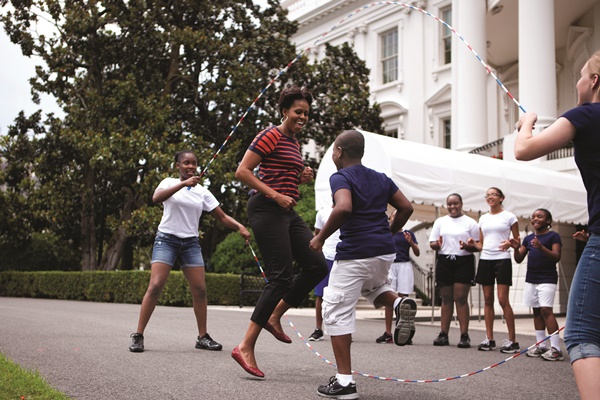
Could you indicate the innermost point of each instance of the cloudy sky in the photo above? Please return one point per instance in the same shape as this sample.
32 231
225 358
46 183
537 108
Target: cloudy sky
15 94
15 72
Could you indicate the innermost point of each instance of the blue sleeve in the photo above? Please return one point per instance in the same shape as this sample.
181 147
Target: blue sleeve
338 181
392 188
556 239
579 116
414 238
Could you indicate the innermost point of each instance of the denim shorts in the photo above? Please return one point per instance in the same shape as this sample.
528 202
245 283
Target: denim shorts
170 249
582 328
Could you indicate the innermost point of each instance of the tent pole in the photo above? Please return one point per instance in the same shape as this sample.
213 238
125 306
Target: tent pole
435 253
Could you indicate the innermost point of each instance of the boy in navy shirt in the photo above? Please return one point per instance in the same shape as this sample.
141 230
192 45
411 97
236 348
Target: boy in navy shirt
363 257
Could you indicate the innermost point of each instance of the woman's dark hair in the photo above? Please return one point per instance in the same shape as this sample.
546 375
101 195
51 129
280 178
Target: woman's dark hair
182 152
499 191
548 216
292 93
455 194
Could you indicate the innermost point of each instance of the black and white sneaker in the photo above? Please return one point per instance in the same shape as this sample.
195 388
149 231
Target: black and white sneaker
316 336
509 347
487 345
137 343
207 343
334 390
405 321
385 338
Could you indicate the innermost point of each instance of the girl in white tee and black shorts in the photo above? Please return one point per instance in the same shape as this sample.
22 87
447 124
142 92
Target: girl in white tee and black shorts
495 266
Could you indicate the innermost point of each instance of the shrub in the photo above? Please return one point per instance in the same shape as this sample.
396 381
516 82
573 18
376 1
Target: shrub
43 252
115 287
233 256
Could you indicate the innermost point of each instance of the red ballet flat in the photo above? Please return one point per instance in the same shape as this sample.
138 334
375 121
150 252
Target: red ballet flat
282 337
237 356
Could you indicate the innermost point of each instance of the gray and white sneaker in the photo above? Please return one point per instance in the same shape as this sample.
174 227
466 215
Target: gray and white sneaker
536 351
137 343
207 343
553 354
334 390
405 321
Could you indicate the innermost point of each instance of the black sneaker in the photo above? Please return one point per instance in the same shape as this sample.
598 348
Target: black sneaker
316 336
509 347
487 345
334 390
137 343
441 340
207 343
405 321
465 341
385 338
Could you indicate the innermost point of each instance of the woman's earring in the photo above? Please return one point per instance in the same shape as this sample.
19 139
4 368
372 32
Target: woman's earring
283 119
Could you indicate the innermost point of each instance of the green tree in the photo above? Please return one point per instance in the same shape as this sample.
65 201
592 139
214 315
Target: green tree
138 80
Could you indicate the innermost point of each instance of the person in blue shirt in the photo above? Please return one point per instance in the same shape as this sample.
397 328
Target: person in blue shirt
543 248
579 125
363 256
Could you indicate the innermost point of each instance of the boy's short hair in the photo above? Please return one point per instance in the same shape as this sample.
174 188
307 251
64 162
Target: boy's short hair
352 142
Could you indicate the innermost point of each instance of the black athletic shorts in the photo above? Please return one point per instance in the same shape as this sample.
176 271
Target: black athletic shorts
494 271
451 269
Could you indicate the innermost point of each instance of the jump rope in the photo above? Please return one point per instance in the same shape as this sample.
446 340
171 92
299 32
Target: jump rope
281 72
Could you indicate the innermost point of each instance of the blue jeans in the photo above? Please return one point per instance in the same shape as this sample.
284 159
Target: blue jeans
582 328
169 248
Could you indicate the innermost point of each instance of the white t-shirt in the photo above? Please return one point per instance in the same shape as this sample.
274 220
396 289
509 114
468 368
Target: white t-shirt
182 211
452 230
332 241
495 229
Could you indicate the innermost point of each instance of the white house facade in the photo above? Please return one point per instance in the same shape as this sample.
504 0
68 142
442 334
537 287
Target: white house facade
433 90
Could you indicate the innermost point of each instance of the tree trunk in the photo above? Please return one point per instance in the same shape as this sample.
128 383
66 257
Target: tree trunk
88 221
117 242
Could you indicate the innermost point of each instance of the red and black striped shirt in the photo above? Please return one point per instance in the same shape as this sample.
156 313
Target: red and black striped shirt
281 162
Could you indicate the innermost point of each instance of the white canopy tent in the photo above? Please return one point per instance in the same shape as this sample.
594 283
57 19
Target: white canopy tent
427 175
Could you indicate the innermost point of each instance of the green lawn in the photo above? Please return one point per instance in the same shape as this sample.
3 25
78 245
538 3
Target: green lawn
20 384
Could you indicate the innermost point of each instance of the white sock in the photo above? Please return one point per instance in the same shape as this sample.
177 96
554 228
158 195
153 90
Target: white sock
344 380
540 335
397 301
555 341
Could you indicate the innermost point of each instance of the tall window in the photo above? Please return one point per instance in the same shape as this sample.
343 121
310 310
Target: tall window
389 56
447 133
446 36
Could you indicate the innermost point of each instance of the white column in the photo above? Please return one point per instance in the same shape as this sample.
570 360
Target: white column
537 60
469 99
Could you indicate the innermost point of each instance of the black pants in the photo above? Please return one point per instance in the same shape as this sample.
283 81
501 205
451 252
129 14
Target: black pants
283 236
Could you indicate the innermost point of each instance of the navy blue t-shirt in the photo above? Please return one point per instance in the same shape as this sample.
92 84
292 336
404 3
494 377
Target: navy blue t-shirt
540 268
586 119
402 246
367 232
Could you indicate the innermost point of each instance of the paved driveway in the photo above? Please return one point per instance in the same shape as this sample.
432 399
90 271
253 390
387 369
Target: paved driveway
81 349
